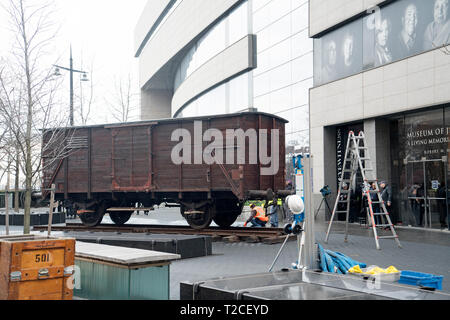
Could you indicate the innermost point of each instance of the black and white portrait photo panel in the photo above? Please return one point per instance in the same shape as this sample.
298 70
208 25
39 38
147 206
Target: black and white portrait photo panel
405 28
410 35
437 32
351 49
341 52
393 32
420 26
378 36
329 59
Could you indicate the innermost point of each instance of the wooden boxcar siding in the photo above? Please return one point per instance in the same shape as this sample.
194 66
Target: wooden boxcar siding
130 157
166 173
101 160
138 158
78 168
252 173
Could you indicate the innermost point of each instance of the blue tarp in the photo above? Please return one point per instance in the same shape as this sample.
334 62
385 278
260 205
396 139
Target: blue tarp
336 262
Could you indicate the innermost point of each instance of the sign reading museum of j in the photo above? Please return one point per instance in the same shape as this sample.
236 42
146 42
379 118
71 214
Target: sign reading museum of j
431 143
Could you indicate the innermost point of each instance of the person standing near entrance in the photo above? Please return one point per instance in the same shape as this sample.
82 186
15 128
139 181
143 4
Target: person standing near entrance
386 196
355 201
442 206
375 206
415 204
274 209
421 196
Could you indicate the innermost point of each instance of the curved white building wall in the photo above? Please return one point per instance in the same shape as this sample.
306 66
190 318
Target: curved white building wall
284 74
153 11
222 56
236 59
185 23
229 97
175 32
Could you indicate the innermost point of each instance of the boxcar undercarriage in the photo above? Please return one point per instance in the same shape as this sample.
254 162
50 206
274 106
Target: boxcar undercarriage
199 211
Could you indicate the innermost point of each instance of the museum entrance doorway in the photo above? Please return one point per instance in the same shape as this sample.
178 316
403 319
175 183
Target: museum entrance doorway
427 196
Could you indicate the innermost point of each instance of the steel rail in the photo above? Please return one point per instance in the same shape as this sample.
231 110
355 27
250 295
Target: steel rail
167 229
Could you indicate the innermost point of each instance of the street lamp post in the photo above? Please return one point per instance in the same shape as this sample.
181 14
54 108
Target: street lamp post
71 70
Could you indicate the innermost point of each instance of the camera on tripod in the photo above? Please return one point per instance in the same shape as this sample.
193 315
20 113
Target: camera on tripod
325 191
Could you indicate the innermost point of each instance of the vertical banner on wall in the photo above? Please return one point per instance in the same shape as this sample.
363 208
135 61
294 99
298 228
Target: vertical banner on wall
340 154
341 146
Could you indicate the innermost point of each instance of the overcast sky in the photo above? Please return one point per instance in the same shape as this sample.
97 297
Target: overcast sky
100 31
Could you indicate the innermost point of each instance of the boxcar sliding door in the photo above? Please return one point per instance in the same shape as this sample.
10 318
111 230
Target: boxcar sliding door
131 158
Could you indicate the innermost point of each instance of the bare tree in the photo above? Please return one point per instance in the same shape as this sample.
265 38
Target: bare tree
124 100
17 178
10 99
86 97
31 106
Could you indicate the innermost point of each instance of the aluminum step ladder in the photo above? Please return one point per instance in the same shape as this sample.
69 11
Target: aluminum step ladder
357 157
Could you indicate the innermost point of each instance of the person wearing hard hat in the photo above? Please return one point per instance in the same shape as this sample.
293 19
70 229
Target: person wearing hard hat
274 209
258 217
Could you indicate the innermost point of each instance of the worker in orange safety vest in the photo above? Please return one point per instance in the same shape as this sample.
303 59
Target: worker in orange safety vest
258 217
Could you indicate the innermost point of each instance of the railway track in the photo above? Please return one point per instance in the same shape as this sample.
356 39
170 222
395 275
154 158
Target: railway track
233 234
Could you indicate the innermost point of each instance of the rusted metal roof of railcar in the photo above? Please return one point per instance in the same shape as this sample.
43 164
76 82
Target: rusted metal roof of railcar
168 120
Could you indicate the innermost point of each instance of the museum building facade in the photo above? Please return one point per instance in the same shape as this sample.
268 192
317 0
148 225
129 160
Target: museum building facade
383 67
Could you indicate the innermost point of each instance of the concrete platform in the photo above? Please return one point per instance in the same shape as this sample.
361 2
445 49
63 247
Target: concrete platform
121 256
37 218
187 246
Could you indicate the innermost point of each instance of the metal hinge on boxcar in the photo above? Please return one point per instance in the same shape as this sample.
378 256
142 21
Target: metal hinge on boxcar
16 276
43 273
68 271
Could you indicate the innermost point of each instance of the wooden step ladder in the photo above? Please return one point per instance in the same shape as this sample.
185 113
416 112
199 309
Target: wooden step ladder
357 157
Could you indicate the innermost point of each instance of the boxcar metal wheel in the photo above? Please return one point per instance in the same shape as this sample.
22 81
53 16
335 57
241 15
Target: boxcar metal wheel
93 219
227 213
120 217
225 220
198 221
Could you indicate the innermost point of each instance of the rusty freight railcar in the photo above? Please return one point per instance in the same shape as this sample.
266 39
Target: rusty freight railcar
208 165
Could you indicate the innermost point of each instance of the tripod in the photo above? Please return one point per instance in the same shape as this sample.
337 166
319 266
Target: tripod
324 199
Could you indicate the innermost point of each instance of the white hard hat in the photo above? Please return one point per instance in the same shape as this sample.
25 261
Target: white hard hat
295 204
